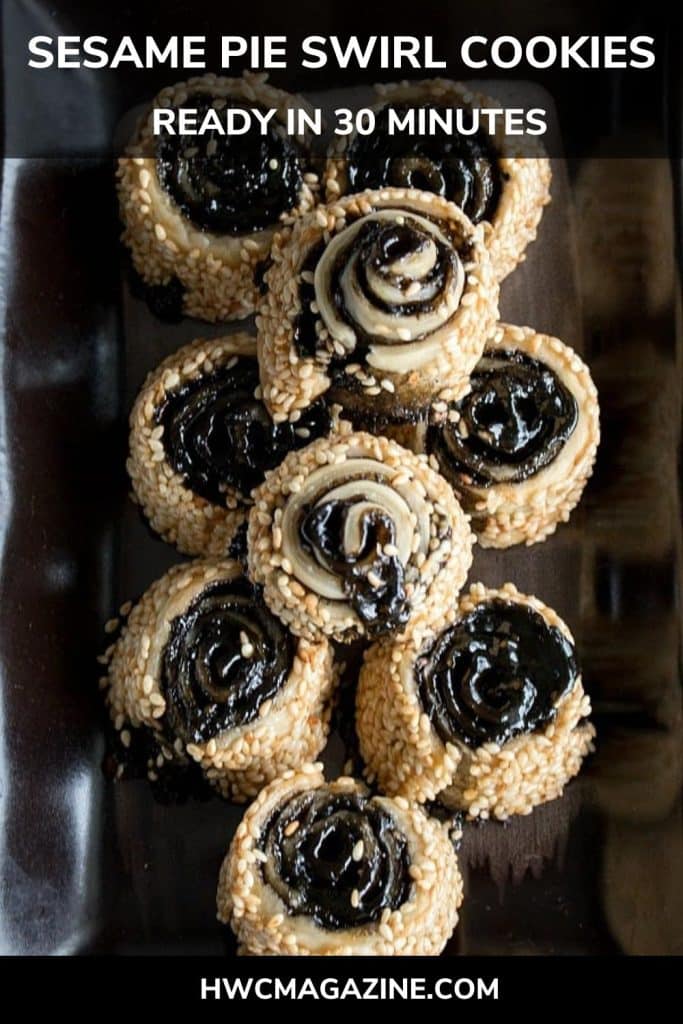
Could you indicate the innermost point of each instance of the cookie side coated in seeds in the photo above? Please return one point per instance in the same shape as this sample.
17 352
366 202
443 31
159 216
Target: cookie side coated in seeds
487 713
217 678
383 299
199 212
325 869
494 178
520 446
353 536
201 439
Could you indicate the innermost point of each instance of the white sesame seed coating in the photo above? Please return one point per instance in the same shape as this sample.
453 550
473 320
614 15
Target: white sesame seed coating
290 729
216 271
402 749
527 512
265 926
526 179
181 517
292 381
435 561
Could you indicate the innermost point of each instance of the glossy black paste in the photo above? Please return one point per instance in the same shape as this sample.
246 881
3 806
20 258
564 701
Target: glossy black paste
231 185
495 674
517 417
381 605
462 168
208 684
218 435
313 869
377 245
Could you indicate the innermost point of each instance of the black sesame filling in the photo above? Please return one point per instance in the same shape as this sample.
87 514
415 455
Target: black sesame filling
377 246
225 655
217 435
497 673
462 168
514 421
231 185
373 582
338 858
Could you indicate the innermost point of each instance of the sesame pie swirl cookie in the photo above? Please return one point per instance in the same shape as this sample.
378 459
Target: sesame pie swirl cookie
354 535
201 439
487 714
217 678
325 869
199 212
382 298
504 181
520 446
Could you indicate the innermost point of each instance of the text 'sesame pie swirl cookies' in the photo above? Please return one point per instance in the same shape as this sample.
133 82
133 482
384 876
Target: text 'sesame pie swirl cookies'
487 176
200 210
384 299
326 869
201 439
218 678
520 446
354 535
486 713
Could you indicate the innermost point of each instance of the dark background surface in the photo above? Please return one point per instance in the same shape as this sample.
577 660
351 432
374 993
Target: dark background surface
87 866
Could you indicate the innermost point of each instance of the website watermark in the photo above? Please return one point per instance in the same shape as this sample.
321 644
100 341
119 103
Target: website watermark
445 989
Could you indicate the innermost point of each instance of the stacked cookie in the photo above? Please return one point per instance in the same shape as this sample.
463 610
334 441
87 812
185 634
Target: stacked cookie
330 473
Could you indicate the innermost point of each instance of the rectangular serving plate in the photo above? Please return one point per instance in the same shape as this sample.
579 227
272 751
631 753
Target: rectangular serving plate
88 866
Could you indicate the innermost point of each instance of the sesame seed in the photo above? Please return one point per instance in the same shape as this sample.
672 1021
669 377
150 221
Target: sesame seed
357 852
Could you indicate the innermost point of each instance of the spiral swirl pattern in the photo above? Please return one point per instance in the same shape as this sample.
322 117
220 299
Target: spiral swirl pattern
231 185
217 435
352 535
495 674
225 655
514 421
462 168
386 288
338 858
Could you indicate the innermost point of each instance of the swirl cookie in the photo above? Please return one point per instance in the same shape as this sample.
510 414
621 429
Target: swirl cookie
486 713
354 535
217 678
201 439
199 212
383 299
326 869
520 446
485 175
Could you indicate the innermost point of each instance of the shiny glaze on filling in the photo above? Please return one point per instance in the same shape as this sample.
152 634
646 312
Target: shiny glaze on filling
516 418
461 168
231 185
338 858
496 673
225 655
218 435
